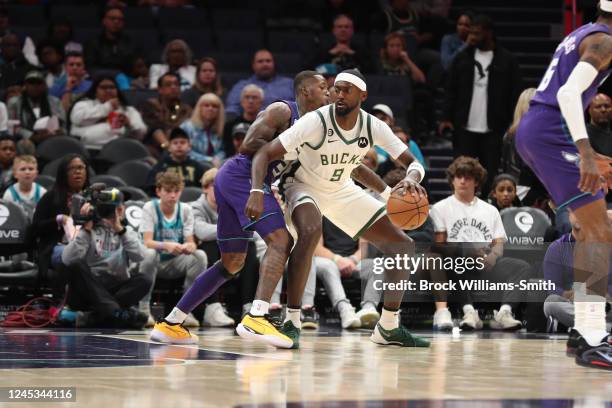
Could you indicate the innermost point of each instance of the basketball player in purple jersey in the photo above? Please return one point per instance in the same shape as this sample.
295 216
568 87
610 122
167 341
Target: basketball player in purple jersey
552 139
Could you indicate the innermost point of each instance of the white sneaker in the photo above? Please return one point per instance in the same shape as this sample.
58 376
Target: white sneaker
504 320
348 318
215 316
191 321
442 320
369 316
471 320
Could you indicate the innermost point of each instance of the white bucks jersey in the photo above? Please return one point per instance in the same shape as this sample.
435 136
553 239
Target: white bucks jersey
327 154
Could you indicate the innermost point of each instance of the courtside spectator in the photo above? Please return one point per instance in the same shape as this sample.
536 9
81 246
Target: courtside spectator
329 72
178 161
503 192
251 100
178 59
344 52
275 87
484 82
32 105
464 218
135 75
25 192
73 83
164 113
167 227
52 225
112 47
453 43
103 115
207 80
205 130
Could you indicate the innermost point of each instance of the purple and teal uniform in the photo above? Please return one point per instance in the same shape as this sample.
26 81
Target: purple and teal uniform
232 190
543 139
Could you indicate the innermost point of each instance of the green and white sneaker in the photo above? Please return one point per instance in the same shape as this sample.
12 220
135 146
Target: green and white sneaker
399 337
289 330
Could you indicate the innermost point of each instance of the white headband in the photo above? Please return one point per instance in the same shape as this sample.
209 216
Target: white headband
606 5
354 79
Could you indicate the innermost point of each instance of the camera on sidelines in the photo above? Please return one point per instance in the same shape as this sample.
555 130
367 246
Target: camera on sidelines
103 202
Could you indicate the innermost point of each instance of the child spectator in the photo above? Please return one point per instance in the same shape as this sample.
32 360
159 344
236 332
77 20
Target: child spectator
178 161
503 192
167 228
25 192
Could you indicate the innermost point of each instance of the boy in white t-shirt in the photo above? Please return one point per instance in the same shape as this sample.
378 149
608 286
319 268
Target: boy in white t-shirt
465 218
25 192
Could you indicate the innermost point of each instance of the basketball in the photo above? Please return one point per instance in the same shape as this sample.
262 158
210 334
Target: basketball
407 212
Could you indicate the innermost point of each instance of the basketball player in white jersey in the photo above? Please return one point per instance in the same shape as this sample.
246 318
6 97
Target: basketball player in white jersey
330 143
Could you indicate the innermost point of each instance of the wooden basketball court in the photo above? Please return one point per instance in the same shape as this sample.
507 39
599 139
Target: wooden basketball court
332 368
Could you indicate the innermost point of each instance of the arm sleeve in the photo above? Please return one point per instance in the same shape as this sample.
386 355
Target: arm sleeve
570 98
383 136
306 130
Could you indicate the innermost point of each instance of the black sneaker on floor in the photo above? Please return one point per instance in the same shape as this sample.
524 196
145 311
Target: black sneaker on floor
573 341
599 356
310 318
130 319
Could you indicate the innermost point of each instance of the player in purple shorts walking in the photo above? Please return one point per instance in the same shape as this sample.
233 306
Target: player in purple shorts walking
552 139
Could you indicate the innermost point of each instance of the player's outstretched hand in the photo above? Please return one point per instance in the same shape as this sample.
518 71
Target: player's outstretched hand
409 186
254 206
590 179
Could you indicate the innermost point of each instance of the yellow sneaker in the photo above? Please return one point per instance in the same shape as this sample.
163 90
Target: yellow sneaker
259 328
165 332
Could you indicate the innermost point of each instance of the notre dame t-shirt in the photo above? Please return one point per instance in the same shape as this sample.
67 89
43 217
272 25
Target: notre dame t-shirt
477 221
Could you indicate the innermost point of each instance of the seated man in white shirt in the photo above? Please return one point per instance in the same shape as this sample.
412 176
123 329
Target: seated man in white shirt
465 218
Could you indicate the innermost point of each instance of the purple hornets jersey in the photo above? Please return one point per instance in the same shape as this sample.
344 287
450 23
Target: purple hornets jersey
566 57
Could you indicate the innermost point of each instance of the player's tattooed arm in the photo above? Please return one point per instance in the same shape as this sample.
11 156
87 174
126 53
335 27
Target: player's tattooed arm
363 175
596 49
271 121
